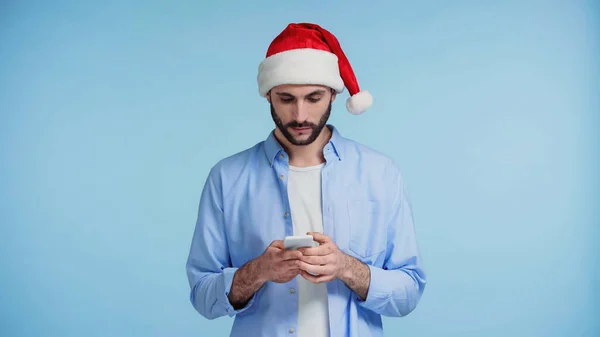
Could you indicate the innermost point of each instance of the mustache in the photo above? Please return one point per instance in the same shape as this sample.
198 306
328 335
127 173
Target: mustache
295 124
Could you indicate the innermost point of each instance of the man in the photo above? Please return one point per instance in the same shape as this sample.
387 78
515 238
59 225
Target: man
305 178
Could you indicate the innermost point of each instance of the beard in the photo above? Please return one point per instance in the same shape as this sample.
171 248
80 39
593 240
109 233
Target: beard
316 128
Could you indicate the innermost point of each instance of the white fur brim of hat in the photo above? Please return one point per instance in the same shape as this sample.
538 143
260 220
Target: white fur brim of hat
300 66
308 66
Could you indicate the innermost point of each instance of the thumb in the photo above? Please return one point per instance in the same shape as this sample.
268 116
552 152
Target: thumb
319 237
277 244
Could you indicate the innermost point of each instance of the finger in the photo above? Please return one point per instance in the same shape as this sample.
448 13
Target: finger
287 266
290 254
316 279
291 265
316 260
320 237
314 269
323 249
277 244
312 251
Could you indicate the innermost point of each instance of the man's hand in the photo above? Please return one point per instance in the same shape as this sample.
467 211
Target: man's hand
328 263
275 264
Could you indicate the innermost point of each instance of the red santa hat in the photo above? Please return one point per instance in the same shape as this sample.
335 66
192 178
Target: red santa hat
305 53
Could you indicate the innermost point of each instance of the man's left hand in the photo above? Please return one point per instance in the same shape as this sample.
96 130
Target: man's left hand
326 261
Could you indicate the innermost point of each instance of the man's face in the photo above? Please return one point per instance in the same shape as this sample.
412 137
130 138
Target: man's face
300 111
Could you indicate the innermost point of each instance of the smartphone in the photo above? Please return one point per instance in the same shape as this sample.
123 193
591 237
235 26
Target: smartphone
298 241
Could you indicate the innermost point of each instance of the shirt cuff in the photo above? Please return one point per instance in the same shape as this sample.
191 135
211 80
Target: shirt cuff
378 295
225 284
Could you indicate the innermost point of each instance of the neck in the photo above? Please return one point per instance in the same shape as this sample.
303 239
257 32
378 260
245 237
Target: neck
306 155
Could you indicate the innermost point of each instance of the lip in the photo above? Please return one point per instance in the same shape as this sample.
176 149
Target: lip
301 129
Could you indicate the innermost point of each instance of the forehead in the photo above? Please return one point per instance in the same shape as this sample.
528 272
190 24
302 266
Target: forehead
298 89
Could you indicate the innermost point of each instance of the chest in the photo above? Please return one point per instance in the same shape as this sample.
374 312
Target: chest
271 206
305 202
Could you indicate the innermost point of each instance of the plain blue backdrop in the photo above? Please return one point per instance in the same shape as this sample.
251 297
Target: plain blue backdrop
113 112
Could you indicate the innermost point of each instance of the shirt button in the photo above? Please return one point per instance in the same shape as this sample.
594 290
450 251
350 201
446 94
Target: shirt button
281 155
281 177
287 214
292 290
291 330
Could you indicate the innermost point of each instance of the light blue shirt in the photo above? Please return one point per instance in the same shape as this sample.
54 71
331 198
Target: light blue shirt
244 207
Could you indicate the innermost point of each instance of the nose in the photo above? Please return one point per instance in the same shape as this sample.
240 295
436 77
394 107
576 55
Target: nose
300 113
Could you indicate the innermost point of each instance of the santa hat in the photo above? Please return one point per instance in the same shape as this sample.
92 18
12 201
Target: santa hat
305 53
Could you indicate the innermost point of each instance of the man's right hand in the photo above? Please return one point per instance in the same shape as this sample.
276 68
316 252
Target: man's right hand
277 264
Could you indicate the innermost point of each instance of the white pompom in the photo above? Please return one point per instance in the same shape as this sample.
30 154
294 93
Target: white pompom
359 102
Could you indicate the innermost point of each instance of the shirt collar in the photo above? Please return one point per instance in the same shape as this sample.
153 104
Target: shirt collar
333 148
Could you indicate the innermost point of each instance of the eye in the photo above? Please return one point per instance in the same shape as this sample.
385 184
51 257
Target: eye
314 99
287 99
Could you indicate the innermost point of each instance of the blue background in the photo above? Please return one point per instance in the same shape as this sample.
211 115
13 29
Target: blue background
112 114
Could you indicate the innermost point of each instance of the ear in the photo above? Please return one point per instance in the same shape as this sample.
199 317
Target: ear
333 95
268 96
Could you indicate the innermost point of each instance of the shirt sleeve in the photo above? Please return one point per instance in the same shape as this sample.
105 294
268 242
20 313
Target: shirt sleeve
209 269
396 287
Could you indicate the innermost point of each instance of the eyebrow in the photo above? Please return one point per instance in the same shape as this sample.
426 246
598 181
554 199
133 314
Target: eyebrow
316 92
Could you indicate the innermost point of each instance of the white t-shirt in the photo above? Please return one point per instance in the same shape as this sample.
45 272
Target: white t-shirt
304 193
